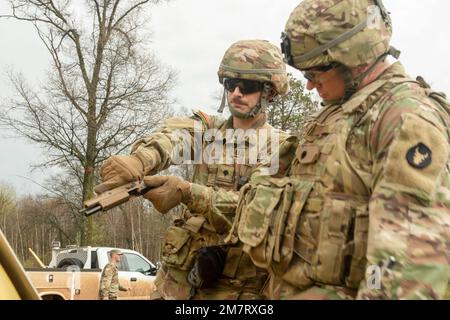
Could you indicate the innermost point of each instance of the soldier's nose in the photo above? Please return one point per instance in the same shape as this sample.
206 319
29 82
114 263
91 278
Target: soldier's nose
310 85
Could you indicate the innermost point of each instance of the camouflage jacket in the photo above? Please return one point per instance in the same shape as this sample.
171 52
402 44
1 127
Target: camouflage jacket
215 191
364 212
109 283
217 182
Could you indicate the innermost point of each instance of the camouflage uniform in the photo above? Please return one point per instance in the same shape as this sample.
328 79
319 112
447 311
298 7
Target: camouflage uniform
216 184
364 211
109 283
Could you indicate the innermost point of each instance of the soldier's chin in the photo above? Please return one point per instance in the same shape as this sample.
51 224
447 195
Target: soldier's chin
326 99
240 107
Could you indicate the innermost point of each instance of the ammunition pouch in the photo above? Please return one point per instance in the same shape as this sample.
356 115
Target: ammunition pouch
176 248
340 256
319 240
182 242
266 219
178 253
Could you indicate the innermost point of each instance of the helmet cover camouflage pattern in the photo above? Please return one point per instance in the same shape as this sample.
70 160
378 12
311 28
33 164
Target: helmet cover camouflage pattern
255 60
314 23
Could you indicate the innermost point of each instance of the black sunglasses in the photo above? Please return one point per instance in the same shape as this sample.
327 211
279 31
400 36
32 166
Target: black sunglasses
245 86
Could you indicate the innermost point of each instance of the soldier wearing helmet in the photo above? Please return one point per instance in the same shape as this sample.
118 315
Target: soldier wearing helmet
194 263
370 218
109 279
258 63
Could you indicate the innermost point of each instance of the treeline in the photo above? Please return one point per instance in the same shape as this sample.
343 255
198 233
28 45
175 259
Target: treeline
36 221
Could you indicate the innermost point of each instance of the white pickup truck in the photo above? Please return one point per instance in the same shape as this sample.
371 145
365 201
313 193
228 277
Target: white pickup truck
74 274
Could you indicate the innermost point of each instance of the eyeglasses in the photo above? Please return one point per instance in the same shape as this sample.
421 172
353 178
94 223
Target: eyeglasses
245 86
311 74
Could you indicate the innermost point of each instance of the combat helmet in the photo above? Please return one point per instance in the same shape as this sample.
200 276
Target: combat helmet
339 33
257 60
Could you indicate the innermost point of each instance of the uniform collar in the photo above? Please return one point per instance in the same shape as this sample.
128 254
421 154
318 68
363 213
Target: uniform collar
228 124
394 73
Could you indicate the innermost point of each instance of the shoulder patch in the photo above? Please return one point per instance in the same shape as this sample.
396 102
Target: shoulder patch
426 149
419 156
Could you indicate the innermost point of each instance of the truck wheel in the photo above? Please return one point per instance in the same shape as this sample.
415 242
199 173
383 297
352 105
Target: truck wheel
69 262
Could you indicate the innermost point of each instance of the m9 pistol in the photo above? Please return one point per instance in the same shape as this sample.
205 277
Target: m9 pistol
114 197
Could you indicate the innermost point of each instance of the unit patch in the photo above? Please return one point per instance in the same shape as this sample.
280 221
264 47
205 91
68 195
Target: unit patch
419 156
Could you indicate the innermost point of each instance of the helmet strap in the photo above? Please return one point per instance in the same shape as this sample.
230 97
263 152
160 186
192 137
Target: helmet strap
349 82
222 103
352 84
264 100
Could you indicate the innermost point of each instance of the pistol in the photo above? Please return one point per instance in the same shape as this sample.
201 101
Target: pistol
114 197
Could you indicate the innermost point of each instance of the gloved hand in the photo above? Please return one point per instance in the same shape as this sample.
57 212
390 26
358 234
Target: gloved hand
119 170
167 192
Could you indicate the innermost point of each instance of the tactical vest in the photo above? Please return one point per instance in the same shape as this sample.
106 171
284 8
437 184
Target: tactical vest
311 227
193 231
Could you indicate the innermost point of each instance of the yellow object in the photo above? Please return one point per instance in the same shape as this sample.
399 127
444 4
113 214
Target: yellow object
14 283
7 291
35 256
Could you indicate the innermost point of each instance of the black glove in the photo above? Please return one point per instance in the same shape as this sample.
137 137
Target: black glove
208 266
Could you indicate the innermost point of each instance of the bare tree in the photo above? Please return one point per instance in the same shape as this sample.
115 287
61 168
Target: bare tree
104 90
7 203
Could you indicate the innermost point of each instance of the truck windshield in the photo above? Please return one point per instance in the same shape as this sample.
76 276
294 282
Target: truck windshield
135 263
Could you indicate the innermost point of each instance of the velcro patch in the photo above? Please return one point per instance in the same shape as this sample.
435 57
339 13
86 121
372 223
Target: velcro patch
417 157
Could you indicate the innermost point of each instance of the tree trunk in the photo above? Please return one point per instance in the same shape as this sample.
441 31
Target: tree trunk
88 181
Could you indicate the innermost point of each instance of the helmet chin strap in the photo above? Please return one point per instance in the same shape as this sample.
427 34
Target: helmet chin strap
223 102
260 107
352 84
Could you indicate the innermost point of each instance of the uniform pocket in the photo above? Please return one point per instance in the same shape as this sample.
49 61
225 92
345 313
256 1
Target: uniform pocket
358 247
225 176
256 216
339 240
295 196
175 248
269 218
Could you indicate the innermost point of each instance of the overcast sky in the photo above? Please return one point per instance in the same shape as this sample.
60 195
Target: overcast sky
191 36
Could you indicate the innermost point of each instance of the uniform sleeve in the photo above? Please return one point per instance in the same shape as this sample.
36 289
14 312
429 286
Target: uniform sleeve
408 212
216 204
105 281
173 143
